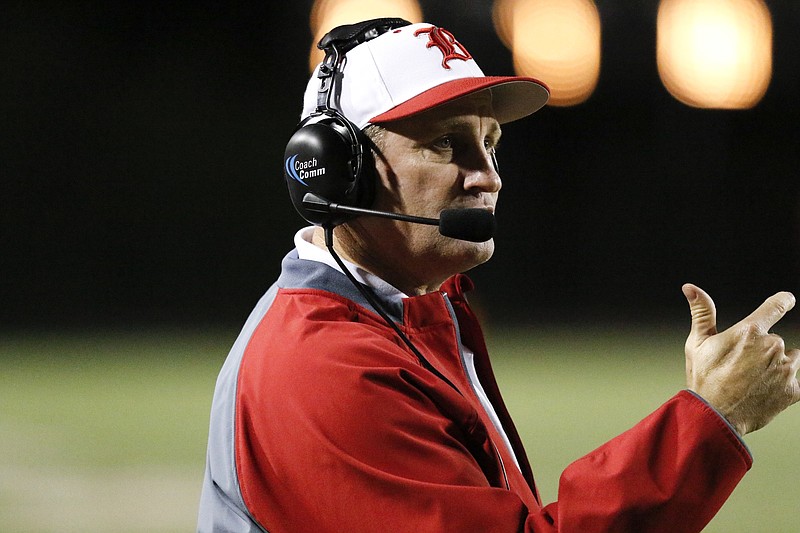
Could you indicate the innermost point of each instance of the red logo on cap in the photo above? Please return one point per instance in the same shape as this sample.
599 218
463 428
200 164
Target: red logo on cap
446 43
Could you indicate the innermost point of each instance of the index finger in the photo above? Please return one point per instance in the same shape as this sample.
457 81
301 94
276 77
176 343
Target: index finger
772 310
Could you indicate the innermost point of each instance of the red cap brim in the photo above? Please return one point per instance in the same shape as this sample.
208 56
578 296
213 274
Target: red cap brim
513 97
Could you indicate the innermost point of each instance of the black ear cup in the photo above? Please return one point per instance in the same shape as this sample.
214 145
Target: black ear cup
329 157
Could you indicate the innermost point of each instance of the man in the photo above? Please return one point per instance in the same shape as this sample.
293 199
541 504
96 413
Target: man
372 406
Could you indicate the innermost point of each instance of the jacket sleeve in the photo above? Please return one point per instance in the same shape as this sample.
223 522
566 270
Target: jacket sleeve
670 473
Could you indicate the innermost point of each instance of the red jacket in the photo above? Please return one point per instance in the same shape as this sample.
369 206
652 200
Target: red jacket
324 421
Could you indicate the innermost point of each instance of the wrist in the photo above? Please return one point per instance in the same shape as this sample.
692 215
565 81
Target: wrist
736 426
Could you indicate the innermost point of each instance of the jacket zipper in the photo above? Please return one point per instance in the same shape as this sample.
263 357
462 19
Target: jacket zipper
502 464
471 384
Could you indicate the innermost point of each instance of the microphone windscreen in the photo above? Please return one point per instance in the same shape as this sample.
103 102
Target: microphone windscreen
476 225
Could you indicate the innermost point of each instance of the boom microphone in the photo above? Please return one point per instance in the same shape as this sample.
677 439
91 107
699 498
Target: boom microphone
476 225
470 224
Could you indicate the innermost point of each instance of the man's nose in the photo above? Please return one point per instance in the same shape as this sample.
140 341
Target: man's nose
484 177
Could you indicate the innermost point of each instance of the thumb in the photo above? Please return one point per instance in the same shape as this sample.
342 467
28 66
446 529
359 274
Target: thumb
704 314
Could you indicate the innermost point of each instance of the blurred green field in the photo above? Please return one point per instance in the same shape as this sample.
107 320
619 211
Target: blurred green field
106 432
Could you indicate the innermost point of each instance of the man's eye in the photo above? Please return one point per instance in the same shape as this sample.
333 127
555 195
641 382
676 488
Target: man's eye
444 142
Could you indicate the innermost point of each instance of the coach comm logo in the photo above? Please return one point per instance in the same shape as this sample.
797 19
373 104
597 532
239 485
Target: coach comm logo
300 170
446 43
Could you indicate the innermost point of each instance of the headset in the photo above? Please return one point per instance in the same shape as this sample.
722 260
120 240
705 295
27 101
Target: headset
328 155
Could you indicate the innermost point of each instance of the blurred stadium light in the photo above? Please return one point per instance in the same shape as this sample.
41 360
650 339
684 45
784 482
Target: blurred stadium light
556 41
715 53
327 14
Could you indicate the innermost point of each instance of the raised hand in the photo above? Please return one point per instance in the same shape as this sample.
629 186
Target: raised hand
745 371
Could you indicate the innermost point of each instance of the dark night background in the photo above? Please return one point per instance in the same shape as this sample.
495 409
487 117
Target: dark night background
141 149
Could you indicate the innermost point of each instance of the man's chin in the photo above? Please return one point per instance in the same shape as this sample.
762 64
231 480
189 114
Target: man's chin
486 251
472 254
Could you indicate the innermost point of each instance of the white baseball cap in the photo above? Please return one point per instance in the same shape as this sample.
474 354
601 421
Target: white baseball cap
414 68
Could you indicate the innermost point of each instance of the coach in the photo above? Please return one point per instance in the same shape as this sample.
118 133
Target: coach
359 396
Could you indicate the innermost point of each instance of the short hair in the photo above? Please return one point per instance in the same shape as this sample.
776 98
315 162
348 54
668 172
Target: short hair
376 134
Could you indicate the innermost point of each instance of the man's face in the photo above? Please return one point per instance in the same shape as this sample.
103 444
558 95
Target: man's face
439 159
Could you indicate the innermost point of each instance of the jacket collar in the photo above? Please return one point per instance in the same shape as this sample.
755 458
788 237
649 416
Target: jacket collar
298 273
